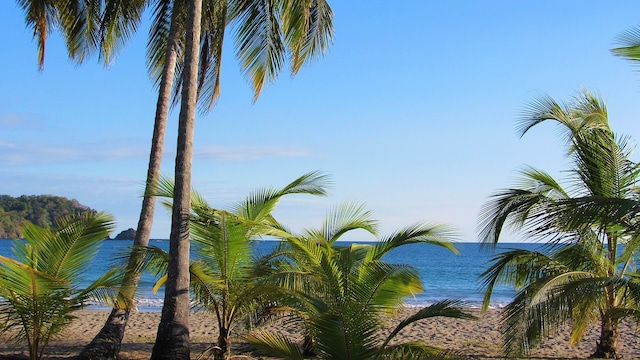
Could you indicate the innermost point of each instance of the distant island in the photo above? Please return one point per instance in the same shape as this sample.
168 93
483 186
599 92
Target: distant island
129 234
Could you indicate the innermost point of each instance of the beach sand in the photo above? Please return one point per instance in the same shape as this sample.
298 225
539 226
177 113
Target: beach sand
478 339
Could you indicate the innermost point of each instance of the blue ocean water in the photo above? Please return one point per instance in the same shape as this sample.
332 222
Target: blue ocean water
444 275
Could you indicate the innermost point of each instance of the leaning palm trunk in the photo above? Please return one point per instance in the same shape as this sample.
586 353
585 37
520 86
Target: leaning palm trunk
172 340
106 344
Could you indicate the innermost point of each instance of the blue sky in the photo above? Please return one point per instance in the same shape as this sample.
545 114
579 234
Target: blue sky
411 111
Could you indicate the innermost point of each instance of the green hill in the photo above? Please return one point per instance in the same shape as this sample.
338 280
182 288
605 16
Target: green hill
42 210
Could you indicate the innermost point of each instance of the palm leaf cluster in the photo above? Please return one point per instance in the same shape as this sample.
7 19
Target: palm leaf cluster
225 279
588 272
342 293
40 286
338 294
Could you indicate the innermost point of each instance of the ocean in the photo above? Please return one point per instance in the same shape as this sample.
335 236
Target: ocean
444 275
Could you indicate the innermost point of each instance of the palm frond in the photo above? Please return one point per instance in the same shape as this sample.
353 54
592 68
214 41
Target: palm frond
417 351
629 42
446 308
160 38
120 20
274 345
344 218
434 234
259 45
308 30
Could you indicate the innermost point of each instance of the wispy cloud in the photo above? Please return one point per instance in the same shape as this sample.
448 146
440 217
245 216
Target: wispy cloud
248 153
19 154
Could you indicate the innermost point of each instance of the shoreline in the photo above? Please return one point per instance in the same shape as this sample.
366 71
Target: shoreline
479 339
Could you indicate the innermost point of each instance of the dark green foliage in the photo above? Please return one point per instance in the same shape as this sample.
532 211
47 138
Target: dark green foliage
41 210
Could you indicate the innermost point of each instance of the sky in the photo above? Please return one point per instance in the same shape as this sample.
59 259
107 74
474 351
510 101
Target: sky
412 112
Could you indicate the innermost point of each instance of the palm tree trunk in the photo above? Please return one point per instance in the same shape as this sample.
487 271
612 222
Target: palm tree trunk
607 346
172 340
106 344
223 350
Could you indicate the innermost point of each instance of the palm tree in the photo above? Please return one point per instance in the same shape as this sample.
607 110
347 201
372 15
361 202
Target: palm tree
589 273
261 53
40 289
341 292
308 31
223 278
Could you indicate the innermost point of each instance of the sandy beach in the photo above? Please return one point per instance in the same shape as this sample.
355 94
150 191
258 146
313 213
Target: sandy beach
477 339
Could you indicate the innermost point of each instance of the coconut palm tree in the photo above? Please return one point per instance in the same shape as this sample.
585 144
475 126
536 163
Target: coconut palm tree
223 278
341 292
308 30
588 274
261 50
41 288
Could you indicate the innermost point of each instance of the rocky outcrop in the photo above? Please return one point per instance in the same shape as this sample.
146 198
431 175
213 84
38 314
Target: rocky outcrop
128 234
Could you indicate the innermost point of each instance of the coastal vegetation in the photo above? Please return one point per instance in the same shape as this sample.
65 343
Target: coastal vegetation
588 275
40 210
341 293
41 287
225 278
585 276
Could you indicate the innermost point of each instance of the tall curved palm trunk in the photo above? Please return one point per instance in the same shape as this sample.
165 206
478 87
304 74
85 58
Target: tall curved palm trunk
172 340
106 344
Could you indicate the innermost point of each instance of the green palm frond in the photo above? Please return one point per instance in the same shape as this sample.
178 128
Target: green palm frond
344 218
521 207
348 334
585 113
308 30
259 45
159 38
434 234
66 252
385 286
275 345
416 351
629 42
214 22
105 290
517 268
446 308
80 22
120 19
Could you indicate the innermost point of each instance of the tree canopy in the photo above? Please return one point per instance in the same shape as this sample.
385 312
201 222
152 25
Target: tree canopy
41 210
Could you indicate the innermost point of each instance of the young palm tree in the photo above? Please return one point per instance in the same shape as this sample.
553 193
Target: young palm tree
591 276
223 278
341 292
40 289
